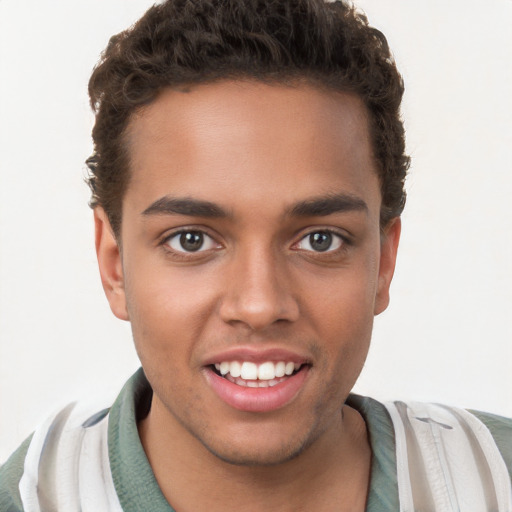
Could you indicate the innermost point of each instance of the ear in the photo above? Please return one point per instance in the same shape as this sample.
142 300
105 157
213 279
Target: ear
110 264
388 250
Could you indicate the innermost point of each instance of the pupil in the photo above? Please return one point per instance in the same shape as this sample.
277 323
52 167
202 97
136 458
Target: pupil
320 241
191 241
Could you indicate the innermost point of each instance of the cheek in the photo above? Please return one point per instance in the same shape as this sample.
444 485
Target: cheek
341 310
349 339
168 312
343 301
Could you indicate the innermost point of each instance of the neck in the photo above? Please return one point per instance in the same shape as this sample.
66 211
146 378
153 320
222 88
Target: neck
331 474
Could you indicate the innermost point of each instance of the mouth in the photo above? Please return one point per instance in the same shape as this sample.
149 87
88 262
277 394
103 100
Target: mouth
253 375
252 386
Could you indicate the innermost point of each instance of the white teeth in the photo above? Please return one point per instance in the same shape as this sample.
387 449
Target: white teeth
235 369
280 369
254 383
249 371
265 373
289 369
224 367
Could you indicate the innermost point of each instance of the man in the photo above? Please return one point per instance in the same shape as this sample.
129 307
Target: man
247 183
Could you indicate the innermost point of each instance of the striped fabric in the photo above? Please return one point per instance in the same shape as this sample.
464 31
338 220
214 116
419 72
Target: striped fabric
67 465
447 461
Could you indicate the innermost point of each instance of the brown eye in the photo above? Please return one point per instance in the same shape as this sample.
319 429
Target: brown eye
191 241
321 241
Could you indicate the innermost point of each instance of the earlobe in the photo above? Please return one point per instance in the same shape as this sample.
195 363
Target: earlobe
110 264
389 247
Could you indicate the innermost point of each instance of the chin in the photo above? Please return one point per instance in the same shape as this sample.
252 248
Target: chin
257 458
254 453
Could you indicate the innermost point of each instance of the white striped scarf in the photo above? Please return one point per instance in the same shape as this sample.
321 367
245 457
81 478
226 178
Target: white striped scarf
67 467
447 461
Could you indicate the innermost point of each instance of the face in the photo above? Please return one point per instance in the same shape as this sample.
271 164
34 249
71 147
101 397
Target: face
252 262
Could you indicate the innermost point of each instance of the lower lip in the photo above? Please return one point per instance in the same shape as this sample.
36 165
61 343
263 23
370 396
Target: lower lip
256 399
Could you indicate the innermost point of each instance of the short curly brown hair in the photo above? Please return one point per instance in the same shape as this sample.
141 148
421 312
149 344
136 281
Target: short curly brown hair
184 42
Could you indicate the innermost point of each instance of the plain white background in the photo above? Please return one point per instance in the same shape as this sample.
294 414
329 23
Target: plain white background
447 335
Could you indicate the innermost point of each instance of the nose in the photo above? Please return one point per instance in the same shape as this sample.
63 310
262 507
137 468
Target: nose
258 291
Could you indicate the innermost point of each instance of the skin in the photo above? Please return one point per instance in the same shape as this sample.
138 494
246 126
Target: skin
259 153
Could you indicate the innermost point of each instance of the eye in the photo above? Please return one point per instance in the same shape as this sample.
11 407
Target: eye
320 241
191 241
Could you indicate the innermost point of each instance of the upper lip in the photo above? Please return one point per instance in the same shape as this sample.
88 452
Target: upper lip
256 355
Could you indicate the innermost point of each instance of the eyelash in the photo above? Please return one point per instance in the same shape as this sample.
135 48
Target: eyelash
343 240
167 242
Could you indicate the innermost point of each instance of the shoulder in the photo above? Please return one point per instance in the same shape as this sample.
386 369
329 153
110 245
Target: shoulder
10 476
470 449
468 423
501 430
73 447
45 467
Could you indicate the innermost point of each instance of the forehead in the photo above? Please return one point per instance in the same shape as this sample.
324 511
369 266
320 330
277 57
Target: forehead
248 139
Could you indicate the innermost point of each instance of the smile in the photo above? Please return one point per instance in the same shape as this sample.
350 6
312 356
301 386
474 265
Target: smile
252 386
249 374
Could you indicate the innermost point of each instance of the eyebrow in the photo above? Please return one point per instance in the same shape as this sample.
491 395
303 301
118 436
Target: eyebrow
185 206
327 205
313 207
